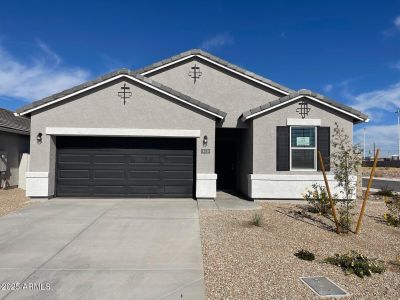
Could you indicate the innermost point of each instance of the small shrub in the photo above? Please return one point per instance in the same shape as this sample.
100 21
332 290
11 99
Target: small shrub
356 263
257 219
385 191
318 198
305 255
345 215
393 216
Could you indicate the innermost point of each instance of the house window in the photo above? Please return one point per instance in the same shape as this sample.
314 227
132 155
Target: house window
303 154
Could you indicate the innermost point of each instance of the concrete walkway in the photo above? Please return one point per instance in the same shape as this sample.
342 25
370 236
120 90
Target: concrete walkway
228 201
102 249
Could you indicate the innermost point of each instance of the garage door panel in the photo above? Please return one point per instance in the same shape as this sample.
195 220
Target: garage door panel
145 190
78 174
125 167
108 174
178 174
74 158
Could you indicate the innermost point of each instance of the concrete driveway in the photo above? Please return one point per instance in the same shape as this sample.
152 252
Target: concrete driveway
102 249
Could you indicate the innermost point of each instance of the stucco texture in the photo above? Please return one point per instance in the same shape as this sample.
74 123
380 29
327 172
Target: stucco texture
225 90
102 108
14 144
264 132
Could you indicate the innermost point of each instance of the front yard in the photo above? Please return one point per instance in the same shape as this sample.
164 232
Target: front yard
243 261
12 200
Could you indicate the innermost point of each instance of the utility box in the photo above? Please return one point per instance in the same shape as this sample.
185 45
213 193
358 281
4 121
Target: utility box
3 161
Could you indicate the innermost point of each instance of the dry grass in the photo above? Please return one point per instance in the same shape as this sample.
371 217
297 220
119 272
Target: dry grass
12 200
242 261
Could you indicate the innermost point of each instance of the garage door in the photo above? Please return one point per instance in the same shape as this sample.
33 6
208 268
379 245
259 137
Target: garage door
125 167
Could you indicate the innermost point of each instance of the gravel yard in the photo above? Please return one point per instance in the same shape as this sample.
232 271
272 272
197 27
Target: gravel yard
12 200
382 172
242 261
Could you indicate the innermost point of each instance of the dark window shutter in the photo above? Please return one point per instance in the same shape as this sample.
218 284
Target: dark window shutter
324 146
282 148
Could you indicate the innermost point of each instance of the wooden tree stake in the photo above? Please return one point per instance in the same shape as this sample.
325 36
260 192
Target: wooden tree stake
321 162
364 204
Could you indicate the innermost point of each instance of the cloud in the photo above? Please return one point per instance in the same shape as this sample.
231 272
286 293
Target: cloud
395 65
384 137
327 88
393 30
217 41
42 76
396 22
387 99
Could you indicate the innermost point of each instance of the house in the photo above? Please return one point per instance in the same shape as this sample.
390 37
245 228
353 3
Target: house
182 127
14 146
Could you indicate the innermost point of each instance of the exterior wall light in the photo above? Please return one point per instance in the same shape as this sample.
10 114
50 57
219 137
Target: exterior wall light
205 141
39 138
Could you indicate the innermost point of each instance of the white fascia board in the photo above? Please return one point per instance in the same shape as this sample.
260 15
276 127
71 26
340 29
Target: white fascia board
112 79
74 131
303 122
219 65
309 97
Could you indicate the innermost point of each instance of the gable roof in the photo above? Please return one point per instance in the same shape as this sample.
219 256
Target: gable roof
216 61
355 114
113 76
12 123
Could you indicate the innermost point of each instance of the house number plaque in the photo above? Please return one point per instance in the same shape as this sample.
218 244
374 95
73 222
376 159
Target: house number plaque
205 151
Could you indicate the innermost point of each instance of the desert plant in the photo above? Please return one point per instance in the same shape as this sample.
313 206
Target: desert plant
305 255
385 191
356 263
393 216
346 160
318 198
257 219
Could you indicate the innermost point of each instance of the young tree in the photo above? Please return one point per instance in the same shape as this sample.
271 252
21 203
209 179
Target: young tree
346 160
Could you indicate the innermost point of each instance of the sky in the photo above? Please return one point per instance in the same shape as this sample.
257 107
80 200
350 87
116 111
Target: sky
346 50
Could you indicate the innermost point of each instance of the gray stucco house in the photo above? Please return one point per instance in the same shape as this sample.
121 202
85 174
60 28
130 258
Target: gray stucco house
182 127
14 144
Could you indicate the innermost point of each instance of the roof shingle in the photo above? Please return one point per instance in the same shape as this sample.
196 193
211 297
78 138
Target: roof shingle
9 121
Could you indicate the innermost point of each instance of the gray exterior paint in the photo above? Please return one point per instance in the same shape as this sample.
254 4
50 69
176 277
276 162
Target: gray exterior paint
101 108
264 133
271 104
146 80
201 53
219 91
14 144
231 93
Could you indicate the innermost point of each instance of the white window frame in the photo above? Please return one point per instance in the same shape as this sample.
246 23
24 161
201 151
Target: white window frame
305 148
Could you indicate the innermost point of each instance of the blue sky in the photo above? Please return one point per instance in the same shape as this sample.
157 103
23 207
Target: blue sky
347 50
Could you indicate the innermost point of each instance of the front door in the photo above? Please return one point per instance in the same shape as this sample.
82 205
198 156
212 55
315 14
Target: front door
225 164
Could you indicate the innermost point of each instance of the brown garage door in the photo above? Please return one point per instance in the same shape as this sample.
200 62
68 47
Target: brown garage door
125 167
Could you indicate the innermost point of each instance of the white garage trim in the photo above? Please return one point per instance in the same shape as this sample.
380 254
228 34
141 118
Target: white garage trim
75 131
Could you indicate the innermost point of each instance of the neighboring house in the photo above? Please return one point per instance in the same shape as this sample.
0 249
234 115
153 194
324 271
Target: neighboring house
182 127
14 146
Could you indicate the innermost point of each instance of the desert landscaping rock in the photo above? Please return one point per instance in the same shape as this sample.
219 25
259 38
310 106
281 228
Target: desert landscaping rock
242 261
12 200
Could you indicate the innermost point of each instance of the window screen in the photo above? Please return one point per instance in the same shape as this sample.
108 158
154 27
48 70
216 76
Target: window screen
303 152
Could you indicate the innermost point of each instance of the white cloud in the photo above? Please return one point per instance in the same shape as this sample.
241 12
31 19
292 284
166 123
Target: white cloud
384 137
42 76
395 29
327 88
396 22
395 65
217 41
385 99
